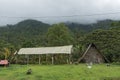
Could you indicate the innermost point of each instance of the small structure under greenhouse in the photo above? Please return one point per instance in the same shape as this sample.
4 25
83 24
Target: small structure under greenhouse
92 55
51 51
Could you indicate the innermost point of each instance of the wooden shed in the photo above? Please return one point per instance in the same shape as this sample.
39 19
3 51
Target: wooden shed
46 51
92 55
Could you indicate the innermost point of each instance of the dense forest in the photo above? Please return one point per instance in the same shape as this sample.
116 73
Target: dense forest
32 33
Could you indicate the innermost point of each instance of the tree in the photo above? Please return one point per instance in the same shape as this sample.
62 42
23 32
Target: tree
108 41
6 53
58 35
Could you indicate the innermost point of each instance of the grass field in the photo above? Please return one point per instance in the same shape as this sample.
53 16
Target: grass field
60 72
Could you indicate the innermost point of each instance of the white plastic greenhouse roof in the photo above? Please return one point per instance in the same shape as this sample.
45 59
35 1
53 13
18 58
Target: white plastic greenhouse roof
47 50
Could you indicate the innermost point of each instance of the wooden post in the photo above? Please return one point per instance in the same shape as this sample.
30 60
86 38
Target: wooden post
16 59
46 58
28 59
69 58
52 59
39 59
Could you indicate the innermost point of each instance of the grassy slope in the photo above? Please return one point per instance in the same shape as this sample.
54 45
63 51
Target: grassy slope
59 72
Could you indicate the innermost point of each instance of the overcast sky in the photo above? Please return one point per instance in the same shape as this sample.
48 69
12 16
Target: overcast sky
13 11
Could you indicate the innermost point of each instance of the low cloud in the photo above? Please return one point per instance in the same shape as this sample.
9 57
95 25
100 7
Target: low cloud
13 11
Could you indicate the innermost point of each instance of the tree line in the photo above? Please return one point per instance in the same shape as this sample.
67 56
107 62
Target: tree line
32 33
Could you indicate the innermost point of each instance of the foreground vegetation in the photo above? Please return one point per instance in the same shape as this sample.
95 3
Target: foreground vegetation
60 72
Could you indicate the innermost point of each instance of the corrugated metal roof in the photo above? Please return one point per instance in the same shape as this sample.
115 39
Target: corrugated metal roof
47 50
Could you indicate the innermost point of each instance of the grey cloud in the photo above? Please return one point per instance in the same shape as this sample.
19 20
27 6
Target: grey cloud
42 8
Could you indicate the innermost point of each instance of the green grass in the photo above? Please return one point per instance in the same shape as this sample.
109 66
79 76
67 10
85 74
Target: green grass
60 72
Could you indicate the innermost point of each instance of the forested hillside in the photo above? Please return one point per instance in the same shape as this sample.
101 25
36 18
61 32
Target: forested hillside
32 33
24 32
104 24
